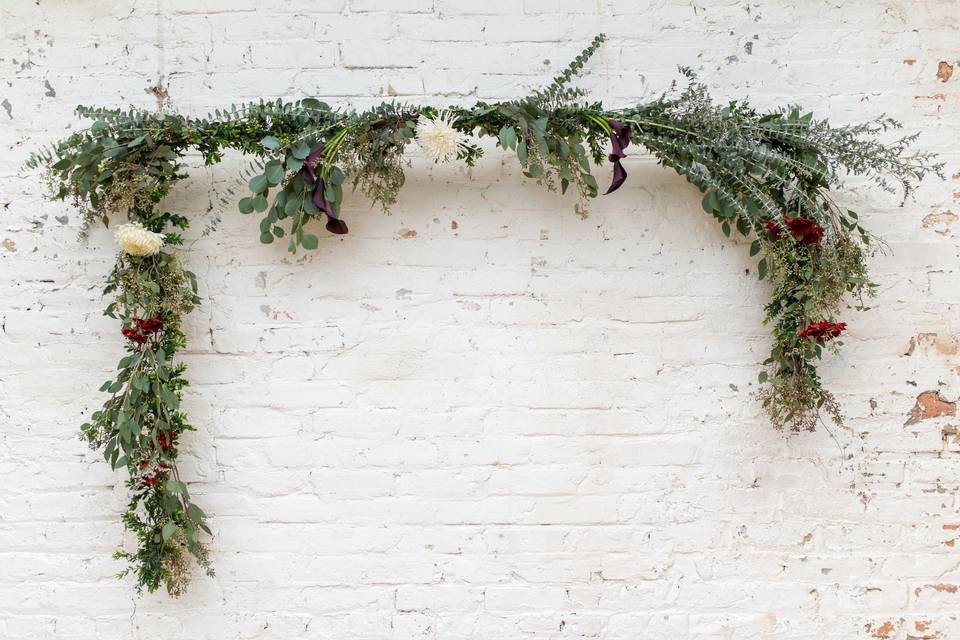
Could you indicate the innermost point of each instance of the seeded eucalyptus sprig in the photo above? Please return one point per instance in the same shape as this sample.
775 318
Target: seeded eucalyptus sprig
767 175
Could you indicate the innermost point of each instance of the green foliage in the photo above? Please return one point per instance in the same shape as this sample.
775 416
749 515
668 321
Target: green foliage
139 426
756 171
559 92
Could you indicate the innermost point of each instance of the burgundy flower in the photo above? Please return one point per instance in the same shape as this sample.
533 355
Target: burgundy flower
805 229
336 225
619 140
157 474
133 335
823 330
166 439
773 228
311 179
149 325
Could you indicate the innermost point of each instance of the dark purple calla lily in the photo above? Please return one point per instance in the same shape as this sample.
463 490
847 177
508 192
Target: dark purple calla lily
336 225
619 140
309 170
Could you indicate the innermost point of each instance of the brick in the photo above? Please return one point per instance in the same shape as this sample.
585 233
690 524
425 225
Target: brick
481 416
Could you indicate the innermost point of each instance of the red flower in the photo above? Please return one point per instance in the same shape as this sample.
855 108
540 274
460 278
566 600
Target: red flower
132 334
157 473
773 228
823 330
805 229
149 325
166 439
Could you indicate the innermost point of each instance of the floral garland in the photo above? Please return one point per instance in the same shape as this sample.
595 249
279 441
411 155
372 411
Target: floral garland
767 175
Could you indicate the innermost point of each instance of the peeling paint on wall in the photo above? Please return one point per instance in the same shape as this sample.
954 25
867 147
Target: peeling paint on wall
944 71
930 405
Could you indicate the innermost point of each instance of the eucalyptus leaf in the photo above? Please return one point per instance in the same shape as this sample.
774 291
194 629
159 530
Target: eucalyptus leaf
245 205
259 184
274 174
508 137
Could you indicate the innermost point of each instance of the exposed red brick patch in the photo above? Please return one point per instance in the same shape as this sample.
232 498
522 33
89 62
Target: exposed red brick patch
454 225
942 587
408 233
930 405
951 527
909 61
944 71
950 543
885 630
923 626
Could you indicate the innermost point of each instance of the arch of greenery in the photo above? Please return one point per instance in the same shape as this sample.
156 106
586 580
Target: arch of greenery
767 176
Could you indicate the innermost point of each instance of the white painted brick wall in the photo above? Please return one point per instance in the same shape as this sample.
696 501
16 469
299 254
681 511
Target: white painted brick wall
514 423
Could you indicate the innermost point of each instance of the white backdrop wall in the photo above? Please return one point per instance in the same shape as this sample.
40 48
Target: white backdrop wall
481 416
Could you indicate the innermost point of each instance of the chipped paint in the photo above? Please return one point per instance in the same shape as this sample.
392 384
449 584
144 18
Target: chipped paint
942 344
944 71
940 587
885 629
940 222
944 588
930 405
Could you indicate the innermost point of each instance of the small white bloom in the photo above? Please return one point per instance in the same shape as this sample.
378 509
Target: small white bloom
137 241
437 137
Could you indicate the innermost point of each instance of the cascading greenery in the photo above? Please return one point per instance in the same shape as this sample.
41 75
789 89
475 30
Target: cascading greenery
767 175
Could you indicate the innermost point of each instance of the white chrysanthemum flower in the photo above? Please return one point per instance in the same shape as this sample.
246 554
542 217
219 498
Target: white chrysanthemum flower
437 137
137 241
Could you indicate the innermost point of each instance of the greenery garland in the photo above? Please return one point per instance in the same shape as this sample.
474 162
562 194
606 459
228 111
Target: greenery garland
767 175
